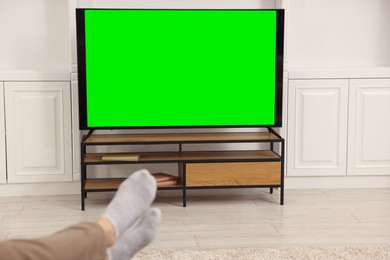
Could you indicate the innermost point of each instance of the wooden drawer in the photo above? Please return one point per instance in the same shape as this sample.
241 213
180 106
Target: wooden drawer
233 173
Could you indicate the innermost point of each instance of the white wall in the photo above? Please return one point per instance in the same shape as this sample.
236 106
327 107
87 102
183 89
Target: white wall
338 33
34 34
179 3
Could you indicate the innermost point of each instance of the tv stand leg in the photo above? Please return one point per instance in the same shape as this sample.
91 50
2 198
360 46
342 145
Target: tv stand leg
282 196
184 198
184 179
271 190
83 195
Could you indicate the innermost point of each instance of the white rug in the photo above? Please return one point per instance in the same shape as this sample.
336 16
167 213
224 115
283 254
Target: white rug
310 253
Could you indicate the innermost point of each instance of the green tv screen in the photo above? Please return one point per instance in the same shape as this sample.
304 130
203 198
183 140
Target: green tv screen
179 68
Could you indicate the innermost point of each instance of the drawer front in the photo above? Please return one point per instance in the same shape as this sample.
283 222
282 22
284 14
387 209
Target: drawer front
233 174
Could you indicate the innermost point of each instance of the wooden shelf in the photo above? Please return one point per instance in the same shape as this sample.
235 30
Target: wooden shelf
112 184
203 156
104 139
103 184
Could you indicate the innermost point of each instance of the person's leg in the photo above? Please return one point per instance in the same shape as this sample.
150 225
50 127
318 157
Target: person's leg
90 240
81 241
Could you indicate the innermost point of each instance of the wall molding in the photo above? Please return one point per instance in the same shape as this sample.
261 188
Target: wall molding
38 189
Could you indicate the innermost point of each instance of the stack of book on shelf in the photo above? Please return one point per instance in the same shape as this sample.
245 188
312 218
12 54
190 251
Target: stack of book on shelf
164 179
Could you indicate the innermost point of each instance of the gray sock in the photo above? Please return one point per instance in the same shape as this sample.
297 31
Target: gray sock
133 198
134 239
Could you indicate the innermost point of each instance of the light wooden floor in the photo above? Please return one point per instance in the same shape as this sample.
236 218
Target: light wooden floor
225 218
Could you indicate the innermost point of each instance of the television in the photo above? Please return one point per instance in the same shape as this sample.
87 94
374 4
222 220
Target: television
179 68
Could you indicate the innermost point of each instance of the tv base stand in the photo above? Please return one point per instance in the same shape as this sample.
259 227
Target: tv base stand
196 169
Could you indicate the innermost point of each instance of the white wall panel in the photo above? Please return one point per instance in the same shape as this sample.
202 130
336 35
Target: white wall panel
369 127
38 131
317 129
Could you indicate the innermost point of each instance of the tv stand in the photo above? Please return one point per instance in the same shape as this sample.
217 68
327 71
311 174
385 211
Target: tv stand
197 169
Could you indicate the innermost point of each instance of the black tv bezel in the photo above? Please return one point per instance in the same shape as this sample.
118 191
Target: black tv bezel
81 71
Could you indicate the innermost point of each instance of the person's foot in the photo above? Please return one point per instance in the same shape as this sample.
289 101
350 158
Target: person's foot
133 198
134 239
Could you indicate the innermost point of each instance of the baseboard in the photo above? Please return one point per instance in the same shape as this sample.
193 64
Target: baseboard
37 189
337 182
